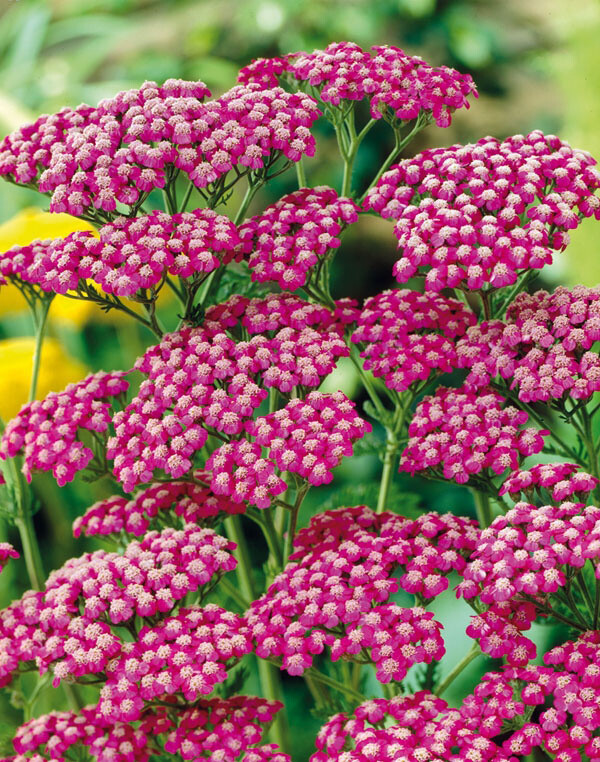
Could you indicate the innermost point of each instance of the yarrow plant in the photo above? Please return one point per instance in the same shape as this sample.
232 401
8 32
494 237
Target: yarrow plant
220 567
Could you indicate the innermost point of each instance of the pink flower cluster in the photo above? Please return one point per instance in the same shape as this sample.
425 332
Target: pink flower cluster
412 728
458 434
545 347
563 481
224 729
391 80
67 626
200 379
499 631
335 590
563 698
134 254
478 215
409 335
186 654
531 552
154 506
20 263
6 552
112 156
21 638
53 735
293 235
307 437
46 431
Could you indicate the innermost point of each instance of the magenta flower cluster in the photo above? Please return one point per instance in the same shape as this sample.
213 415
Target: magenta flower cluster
202 379
223 728
186 654
563 698
409 336
544 348
532 552
395 83
292 236
112 156
68 625
54 735
479 215
459 434
134 254
46 432
154 506
411 727
334 593
307 437
562 481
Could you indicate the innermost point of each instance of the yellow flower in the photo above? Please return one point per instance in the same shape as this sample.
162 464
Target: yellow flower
25 227
57 369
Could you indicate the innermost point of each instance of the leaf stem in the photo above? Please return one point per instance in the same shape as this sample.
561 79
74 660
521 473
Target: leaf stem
444 684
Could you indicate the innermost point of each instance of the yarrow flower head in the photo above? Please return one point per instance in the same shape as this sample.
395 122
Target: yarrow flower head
396 84
346 565
561 481
192 502
131 254
186 654
226 728
116 153
459 434
203 379
6 552
531 553
413 728
68 625
499 631
55 734
409 335
46 431
295 234
563 697
459 211
545 346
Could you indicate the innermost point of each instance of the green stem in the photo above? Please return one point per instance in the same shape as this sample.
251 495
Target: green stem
246 201
301 174
234 593
40 330
319 677
387 473
291 533
589 442
399 145
368 384
444 684
31 549
186 197
268 676
483 508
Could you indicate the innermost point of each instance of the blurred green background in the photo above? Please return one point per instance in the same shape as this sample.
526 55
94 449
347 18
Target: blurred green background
536 66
